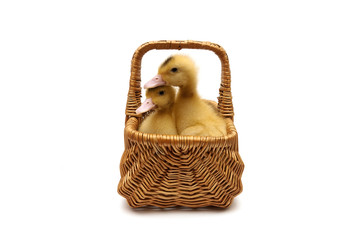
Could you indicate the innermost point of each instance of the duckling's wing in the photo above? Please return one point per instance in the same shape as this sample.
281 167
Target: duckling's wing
197 130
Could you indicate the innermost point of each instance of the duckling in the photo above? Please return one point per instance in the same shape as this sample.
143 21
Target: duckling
193 116
161 121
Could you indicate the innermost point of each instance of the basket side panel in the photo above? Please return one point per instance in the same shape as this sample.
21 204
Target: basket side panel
179 177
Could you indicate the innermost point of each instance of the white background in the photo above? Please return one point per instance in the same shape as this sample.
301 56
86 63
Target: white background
64 72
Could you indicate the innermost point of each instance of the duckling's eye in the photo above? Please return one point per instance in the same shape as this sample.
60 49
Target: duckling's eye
174 69
161 92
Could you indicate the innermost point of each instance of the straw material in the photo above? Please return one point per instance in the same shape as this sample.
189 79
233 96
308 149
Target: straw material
173 170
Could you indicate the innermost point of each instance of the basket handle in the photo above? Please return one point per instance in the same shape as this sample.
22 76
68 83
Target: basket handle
225 105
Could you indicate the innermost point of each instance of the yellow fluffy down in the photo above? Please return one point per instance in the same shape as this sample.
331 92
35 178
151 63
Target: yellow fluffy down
193 116
161 121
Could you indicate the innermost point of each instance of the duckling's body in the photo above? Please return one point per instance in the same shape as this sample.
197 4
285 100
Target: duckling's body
161 121
193 116
196 117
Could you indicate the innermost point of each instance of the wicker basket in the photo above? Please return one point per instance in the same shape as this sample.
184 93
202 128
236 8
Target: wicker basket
173 170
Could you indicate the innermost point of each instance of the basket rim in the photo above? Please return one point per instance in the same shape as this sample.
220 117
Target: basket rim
132 133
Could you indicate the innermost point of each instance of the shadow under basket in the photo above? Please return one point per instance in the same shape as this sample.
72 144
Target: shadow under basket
173 170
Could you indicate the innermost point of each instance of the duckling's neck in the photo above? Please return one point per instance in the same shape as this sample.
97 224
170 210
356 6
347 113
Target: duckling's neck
165 110
188 91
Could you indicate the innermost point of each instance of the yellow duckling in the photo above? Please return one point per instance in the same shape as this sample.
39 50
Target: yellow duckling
161 121
193 116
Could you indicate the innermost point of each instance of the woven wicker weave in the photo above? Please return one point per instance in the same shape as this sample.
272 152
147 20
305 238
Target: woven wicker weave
173 170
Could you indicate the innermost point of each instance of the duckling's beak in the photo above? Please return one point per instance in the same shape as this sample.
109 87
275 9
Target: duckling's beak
155 82
146 106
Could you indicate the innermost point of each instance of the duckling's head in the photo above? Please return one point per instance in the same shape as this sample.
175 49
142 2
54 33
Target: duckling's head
177 70
161 98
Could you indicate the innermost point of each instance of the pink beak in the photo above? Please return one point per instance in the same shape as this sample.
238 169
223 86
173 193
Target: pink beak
155 82
146 106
